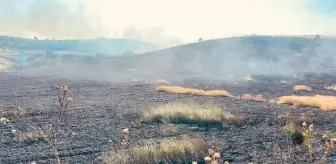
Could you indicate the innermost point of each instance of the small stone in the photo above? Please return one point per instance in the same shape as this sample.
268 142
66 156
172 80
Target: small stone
13 131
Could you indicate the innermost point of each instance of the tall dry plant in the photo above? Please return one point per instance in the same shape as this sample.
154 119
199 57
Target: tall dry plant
63 102
125 143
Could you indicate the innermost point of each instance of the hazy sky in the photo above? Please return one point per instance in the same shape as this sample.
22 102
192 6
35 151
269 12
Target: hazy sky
165 22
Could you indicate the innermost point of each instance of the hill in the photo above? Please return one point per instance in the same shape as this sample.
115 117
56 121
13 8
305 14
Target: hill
18 52
109 47
237 55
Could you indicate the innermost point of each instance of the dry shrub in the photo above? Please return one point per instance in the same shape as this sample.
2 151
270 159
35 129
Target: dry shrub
230 119
253 97
155 151
169 129
161 81
317 101
182 90
331 87
184 113
302 88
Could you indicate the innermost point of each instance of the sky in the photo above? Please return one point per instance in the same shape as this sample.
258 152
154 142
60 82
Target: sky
165 22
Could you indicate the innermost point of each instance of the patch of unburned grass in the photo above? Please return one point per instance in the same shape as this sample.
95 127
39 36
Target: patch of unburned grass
184 113
302 88
166 150
182 90
317 101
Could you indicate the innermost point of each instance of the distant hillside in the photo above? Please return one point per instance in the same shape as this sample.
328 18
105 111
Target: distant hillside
238 55
109 47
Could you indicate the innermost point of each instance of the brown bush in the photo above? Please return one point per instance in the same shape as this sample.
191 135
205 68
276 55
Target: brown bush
182 90
302 88
317 101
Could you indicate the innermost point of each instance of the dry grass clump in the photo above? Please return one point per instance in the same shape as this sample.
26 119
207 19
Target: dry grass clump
182 90
331 87
140 81
161 81
248 78
302 88
253 97
317 101
166 150
184 113
230 119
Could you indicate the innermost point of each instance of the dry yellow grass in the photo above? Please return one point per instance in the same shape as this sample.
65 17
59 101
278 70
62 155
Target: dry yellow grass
302 88
182 90
152 152
184 113
317 101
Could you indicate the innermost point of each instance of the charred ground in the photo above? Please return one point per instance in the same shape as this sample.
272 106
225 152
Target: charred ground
101 110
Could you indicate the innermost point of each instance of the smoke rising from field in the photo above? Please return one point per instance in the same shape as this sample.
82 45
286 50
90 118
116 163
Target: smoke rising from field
159 24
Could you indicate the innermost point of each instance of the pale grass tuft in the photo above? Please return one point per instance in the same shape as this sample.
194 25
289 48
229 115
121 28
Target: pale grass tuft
285 82
302 88
317 101
331 87
162 81
183 112
182 90
140 80
169 149
154 151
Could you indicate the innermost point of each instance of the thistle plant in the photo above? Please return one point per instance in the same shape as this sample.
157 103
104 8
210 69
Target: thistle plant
63 102
213 157
125 143
307 134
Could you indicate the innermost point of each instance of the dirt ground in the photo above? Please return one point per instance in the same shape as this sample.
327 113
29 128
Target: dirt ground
100 111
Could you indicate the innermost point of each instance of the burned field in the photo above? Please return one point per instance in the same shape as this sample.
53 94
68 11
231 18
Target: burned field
100 111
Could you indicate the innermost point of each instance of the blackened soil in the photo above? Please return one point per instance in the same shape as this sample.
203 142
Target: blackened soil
101 110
